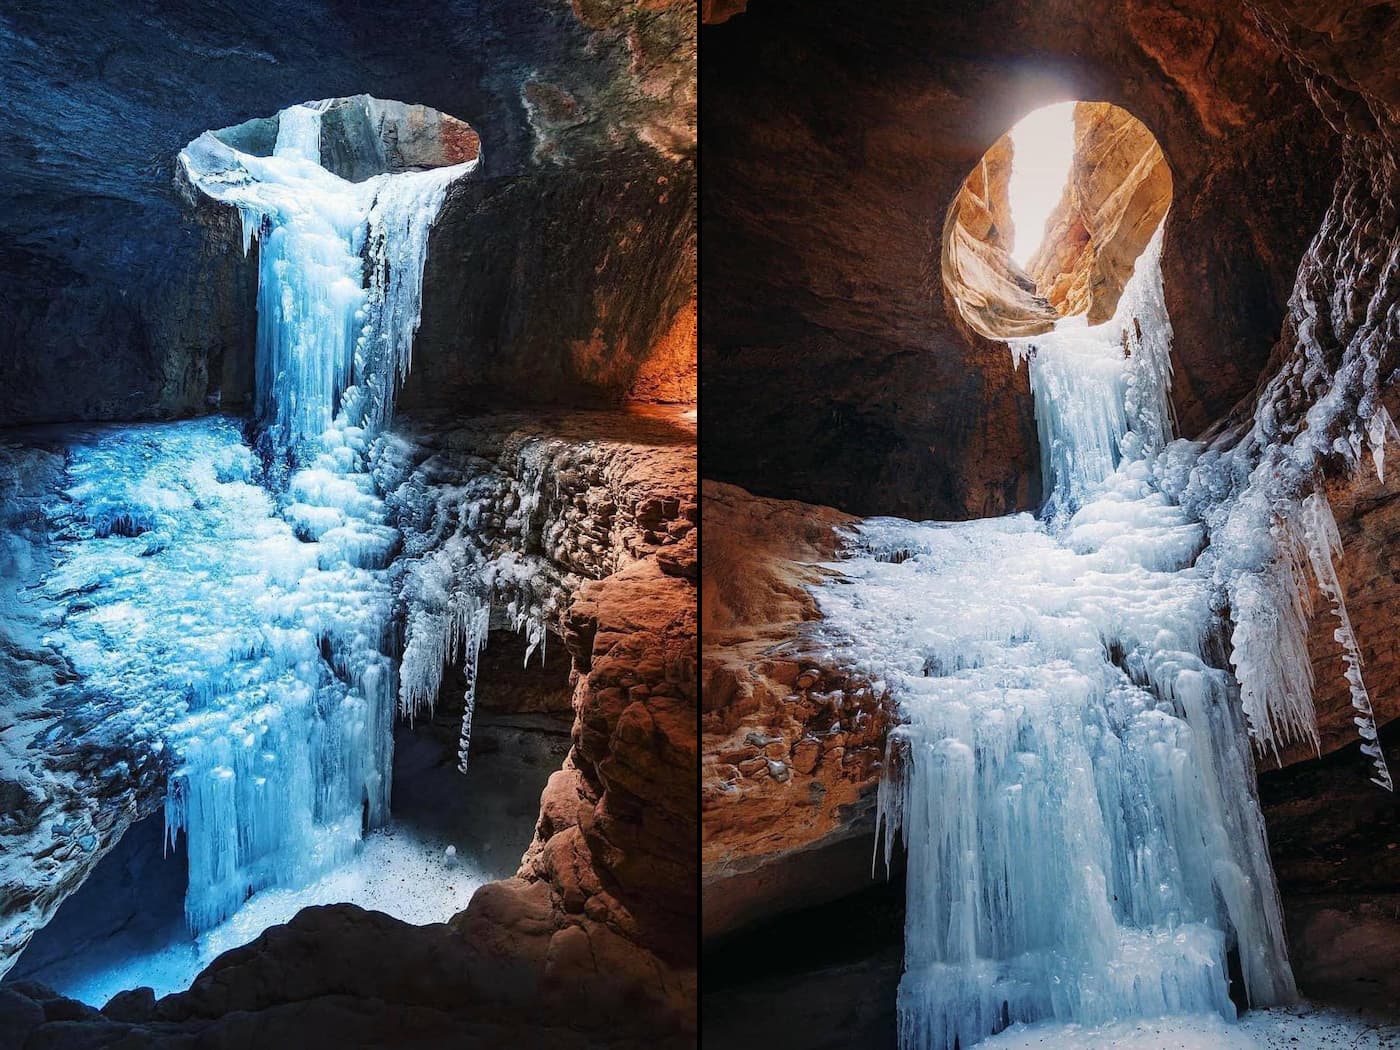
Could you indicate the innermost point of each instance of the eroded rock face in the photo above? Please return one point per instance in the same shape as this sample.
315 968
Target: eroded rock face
1119 189
115 306
608 557
340 975
990 291
1335 841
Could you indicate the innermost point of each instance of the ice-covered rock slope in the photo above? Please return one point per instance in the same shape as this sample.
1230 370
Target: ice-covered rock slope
1073 780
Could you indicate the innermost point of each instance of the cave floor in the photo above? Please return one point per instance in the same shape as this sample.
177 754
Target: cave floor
125 927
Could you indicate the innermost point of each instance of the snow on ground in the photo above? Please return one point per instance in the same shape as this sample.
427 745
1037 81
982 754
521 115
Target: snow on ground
1300 1027
398 870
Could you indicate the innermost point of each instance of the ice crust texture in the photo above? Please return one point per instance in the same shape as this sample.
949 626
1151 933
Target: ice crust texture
1073 779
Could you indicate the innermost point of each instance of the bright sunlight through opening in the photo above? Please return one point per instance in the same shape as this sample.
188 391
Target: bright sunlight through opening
1043 149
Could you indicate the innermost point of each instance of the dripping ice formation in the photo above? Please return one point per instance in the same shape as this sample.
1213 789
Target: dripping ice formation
257 662
1073 781
449 588
340 274
277 704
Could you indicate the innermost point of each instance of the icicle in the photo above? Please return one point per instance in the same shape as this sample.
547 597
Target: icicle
476 638
1379 430
1102 393
1269 645
1324 546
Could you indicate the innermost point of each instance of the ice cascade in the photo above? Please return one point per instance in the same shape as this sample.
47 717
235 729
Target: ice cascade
1073 781
340 274
280 718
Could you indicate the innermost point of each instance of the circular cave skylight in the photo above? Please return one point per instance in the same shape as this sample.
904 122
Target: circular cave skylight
357 137
1053 217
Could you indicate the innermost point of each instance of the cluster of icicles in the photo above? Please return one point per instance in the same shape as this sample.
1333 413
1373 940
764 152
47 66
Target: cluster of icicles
1073 779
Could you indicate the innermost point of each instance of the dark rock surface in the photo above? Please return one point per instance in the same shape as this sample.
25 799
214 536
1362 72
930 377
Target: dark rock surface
822 978
342 976
116 305
834 370
1335 841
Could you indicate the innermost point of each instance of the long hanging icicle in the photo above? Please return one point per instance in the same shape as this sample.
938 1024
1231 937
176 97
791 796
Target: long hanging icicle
471 658
1324 545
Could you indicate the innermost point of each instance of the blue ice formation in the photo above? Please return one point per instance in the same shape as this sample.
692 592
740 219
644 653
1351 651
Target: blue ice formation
1073 780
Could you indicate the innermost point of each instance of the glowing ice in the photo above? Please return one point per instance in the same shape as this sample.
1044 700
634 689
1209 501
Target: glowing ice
340 274
1072 782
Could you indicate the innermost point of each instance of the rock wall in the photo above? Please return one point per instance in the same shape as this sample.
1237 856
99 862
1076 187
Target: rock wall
1119 189
990 291
586 521
607 557
792 742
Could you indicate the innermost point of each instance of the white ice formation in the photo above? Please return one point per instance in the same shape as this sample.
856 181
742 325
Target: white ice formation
340 273
1073 781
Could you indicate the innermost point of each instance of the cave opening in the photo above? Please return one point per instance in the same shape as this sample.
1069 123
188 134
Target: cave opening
1051 221
449 832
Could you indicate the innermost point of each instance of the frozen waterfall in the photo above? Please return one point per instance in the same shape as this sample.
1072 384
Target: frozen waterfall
340 274
281 715
1073 781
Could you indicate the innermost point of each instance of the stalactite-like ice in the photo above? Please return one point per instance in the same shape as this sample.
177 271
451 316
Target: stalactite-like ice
454 575
1072 781
280 709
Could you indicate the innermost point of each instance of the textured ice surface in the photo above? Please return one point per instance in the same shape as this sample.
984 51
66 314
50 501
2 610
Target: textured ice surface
1073 782
257 662
472 542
